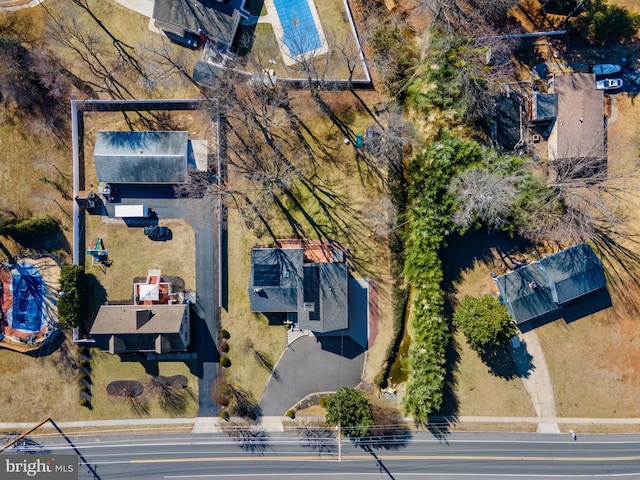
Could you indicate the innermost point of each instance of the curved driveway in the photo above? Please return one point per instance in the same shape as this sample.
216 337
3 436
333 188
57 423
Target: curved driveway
309 365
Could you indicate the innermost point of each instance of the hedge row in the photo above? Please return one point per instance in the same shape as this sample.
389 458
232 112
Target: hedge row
429 173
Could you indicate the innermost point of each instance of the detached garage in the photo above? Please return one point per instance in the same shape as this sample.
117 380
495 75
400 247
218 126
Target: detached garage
141 157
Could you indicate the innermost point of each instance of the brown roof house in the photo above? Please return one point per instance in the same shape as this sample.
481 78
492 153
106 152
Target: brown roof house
579 129
154 323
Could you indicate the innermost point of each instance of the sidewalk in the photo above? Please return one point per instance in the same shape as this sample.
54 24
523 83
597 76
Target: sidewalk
278 424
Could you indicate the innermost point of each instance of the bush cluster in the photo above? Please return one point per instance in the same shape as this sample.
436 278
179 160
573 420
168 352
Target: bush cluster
22 229
73 293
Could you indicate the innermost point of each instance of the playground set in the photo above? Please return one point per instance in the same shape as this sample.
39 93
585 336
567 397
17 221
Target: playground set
99 254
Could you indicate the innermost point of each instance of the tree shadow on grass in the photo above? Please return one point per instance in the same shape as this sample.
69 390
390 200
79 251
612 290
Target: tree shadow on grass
462 252
439 423
501 364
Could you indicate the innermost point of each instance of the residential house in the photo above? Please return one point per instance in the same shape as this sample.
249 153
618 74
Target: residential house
545 286
302 282
215 20
579 129
154 323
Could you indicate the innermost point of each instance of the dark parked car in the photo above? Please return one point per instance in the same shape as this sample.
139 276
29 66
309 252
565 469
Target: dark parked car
155 231
189 40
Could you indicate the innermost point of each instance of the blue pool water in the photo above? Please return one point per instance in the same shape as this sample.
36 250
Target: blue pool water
28 296
300 32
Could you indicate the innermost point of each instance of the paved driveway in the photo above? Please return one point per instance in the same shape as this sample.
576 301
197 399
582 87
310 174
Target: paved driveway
309 365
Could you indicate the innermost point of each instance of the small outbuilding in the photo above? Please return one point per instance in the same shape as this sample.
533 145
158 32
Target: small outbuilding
141 157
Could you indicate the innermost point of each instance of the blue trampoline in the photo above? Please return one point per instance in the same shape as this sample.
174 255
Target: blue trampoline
28 291
300 32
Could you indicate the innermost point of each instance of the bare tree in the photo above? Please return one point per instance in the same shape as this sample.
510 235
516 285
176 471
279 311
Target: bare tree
486 194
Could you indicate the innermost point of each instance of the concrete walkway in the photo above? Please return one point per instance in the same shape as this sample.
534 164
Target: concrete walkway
277 423
536 380
143 7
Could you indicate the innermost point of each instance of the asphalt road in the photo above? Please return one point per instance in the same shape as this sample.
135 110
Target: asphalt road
272 456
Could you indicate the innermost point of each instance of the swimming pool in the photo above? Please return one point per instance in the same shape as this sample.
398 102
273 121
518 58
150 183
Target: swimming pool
28 294
300 31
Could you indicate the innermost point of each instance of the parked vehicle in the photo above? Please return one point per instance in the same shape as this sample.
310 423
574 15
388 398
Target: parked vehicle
609 84
189 40
132 211
156 231
606 68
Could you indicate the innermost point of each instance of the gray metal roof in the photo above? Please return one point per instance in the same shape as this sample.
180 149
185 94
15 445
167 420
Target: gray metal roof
557 279
573 272
281 282
141 157
218 20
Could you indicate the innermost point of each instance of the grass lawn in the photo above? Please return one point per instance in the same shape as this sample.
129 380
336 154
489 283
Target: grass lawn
132 254
476 390
594 362
479 392
35 388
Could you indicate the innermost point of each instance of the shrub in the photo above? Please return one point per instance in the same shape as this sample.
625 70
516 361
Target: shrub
484 321
224 415
83 402
72 300
25 228
290 414
251 415
224 347
350 409
323 401
225 362
225 334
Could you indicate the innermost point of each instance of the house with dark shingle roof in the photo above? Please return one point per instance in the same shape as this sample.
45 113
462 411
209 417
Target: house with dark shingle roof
543 287
310 293
217 20
141 157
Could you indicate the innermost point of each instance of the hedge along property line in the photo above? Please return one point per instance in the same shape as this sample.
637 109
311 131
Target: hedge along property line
429 173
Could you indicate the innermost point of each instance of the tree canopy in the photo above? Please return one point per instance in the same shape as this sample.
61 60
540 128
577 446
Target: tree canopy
607 23
349 409
484 321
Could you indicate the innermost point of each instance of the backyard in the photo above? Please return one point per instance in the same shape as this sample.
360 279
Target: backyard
361 191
